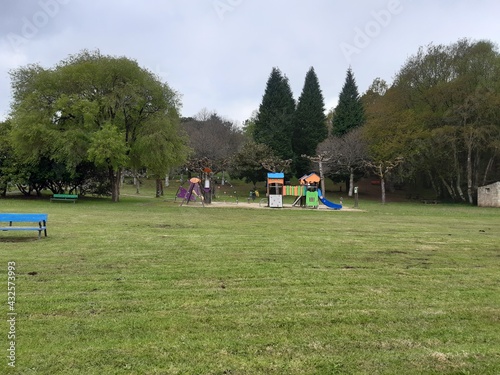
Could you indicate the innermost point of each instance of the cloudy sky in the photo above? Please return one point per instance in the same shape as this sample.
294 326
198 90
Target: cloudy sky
219 53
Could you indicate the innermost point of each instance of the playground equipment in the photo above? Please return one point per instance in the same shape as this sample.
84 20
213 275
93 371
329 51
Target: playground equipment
308 194
311 181
275 183
296 191
327 203
207 190
192 193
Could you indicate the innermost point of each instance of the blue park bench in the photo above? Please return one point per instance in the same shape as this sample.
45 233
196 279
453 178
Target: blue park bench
64 197
40 219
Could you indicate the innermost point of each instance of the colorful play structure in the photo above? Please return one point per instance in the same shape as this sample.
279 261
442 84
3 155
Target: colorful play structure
192 193
307 192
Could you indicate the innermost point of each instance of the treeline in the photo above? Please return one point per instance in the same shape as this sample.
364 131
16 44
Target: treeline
85 122
441 117
436 126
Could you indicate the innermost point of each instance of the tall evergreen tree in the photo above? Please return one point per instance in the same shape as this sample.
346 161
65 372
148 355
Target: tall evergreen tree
309 125
273 124
349 113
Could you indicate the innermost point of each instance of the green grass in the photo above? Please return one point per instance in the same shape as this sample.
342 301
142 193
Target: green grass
147 287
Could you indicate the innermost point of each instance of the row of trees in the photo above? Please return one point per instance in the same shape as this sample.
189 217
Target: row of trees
282 134
296 132
291 129
81 124
437 125
441 116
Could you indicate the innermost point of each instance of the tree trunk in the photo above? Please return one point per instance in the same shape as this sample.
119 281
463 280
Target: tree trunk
477 166
26 191
469 174
457 168
115 178
435 187
381 174
382 188
137 184
488 168
448 187
321 176
351 181
458 180
159 187
459 188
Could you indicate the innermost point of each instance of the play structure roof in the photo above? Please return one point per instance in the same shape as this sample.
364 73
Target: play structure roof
309 179
275 175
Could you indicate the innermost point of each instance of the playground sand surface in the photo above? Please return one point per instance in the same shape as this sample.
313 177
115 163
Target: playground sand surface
254 205
257 205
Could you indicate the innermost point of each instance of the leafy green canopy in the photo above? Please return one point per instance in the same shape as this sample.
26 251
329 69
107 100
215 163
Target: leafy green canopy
247 163
442 115
97 108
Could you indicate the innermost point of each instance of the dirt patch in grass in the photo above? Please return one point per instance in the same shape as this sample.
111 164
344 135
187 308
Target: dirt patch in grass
18 239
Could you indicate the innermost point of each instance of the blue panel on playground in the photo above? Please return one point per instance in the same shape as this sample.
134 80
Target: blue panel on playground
275 175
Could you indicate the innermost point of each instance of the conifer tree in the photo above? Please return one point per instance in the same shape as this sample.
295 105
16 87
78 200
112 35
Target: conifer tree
273 124
349 113
309 125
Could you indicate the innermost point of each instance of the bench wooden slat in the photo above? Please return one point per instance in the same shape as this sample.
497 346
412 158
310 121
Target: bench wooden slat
64 197
10 218
21 217
22 228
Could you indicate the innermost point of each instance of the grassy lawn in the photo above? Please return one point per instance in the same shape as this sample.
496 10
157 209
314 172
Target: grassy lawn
147 287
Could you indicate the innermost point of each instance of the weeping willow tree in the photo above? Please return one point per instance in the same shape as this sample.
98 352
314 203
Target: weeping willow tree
103 109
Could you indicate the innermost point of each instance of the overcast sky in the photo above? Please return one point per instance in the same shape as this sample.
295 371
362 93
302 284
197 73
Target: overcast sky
219 53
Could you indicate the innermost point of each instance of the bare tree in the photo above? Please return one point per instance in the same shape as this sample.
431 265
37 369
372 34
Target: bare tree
346 154
212 137
321 159
382 168
275 164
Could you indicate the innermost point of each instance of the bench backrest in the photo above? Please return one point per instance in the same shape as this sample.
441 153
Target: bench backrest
23 217
70 196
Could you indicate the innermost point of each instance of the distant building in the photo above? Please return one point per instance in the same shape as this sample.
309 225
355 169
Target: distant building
489 195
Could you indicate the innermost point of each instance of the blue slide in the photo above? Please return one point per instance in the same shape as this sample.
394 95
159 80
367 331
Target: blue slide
327 203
